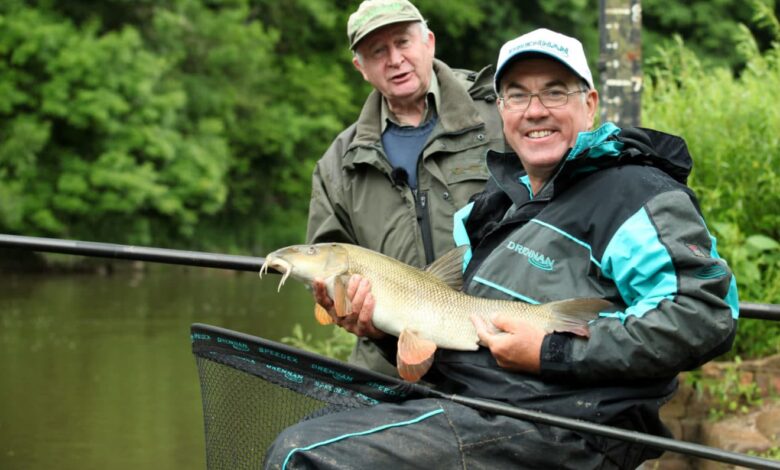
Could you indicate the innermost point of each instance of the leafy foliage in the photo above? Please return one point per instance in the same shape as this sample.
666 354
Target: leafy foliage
189 121
93 140
732 135
338 346
729 392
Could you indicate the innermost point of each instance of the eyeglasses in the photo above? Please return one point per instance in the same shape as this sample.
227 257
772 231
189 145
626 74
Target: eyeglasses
550 98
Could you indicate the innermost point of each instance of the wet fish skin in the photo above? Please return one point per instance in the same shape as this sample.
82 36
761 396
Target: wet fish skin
422 305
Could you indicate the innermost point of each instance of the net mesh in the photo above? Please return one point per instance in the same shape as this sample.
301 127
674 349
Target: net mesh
254 388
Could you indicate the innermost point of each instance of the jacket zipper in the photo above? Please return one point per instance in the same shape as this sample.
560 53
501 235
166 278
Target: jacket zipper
424 221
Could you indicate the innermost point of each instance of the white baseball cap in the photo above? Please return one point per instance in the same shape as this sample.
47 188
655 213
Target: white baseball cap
563 48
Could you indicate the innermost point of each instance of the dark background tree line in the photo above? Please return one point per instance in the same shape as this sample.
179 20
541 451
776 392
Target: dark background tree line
196 123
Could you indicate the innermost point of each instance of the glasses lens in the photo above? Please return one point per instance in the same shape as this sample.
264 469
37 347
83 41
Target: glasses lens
553 98
549 98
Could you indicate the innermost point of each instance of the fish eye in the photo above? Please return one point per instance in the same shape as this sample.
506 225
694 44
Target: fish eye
312 250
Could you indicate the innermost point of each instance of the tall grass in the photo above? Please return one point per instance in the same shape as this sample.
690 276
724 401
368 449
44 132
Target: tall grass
732 125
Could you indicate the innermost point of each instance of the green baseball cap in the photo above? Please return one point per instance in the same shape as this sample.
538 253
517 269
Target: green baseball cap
374 14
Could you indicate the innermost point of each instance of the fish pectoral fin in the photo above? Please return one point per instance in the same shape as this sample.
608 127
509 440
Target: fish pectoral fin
340 301
415 355
321 315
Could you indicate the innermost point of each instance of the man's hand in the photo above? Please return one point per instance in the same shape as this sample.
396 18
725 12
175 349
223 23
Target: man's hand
517 346
359 294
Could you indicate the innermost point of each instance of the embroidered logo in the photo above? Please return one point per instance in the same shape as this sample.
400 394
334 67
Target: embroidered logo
535 259
697 250
712 271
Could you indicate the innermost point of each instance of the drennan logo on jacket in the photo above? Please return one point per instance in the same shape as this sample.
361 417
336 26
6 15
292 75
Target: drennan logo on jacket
536 259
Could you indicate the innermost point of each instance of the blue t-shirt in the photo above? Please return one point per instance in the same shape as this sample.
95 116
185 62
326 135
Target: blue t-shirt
404 144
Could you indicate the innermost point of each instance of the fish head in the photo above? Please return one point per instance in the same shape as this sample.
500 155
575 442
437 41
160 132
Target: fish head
307 262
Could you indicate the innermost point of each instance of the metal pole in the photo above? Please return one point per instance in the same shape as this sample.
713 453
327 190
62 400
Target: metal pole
216 260
137 253
620 61
663 443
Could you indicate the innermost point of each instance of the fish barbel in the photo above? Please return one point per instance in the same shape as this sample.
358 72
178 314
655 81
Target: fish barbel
424 308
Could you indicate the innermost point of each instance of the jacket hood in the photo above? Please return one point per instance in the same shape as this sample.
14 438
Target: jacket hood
604 147
610 145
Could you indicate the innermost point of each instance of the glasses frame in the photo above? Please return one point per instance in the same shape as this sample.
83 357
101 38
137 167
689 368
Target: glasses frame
512 109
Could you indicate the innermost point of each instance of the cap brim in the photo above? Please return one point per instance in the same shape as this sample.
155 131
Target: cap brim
362 36
523 55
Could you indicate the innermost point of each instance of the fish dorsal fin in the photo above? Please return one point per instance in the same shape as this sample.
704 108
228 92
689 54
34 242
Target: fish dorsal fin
449 267
415 355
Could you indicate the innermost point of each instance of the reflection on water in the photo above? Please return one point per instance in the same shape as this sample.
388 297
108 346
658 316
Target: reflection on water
97 371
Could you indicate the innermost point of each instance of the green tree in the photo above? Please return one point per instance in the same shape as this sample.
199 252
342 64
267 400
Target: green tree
91 135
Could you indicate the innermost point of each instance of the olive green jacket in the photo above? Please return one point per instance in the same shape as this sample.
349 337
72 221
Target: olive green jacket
355 200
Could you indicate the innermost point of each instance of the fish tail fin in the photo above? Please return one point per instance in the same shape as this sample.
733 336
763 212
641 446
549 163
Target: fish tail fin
573 315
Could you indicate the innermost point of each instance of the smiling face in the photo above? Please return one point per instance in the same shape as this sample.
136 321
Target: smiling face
541 136
398 61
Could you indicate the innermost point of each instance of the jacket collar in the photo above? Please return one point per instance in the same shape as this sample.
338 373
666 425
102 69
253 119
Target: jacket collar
456 113
604 147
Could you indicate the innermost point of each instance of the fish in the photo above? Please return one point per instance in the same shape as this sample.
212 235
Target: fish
424 308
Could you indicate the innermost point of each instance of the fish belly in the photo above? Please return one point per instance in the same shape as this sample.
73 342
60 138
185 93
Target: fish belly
449 331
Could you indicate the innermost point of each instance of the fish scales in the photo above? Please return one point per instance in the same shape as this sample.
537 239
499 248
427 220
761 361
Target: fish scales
408 298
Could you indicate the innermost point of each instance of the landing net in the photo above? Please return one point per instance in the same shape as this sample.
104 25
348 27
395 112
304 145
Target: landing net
253 388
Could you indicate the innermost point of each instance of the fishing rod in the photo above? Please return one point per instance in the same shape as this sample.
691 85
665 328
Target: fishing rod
662 443
222 261
134 253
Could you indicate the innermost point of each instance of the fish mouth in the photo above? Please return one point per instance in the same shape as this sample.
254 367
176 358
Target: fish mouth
278 264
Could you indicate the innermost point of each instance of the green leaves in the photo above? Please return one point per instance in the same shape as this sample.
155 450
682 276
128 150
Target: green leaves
184 122
732 135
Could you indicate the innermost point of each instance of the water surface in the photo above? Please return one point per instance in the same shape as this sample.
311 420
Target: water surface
96 372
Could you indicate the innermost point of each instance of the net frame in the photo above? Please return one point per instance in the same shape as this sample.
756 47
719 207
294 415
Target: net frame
253 388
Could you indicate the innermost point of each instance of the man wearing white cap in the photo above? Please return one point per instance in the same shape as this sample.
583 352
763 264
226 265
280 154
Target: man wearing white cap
570 213
392 181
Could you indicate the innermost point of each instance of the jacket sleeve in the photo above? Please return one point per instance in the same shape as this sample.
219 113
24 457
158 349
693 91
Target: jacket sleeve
681 301
329 220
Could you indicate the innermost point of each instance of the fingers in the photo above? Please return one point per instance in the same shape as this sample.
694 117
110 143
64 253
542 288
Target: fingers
506 323
358 289
321 294
363 303
358 292
366 311
365 321
514 344
483 331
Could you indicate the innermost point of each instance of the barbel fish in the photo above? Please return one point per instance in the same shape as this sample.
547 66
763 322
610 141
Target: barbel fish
424 308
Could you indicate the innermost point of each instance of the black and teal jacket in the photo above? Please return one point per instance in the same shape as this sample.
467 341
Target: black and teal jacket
615 221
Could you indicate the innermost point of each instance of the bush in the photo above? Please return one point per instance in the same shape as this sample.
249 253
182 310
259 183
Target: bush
730 123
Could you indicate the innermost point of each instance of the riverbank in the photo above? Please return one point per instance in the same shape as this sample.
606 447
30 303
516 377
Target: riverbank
751 388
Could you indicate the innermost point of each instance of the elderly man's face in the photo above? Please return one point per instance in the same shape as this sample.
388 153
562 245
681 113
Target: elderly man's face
397 61
540 135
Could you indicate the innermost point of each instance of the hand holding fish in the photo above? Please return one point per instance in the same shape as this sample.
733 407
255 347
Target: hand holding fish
516 345
358 321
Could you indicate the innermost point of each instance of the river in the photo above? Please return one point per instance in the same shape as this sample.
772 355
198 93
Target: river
96 371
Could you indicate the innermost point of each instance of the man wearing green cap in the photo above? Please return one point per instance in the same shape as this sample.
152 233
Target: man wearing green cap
392 181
